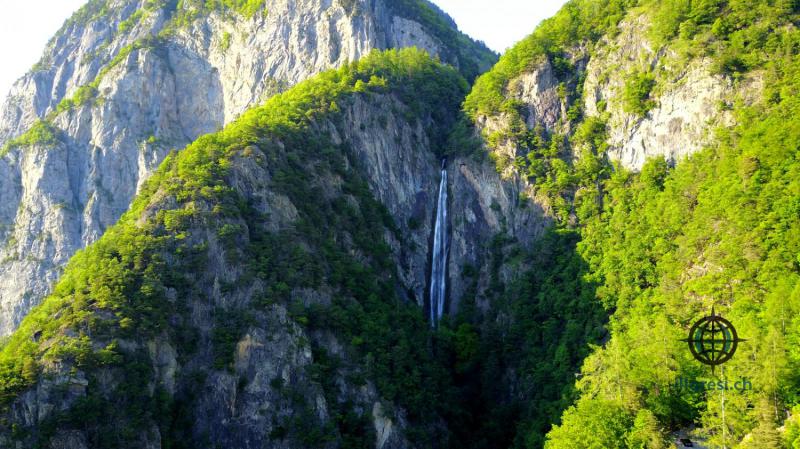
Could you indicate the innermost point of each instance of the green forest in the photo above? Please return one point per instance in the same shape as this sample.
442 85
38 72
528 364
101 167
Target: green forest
117 289
658 248
581 349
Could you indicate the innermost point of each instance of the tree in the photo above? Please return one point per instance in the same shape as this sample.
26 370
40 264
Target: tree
30 370
593 423
646 433
765 435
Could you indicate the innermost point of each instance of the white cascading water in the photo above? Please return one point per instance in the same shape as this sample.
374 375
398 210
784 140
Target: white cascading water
440 251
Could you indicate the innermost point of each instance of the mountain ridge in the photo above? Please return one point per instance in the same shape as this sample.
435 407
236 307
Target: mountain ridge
184 197
128 81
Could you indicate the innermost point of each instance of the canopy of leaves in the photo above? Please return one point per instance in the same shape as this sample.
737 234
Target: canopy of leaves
663 245
720 229
117 289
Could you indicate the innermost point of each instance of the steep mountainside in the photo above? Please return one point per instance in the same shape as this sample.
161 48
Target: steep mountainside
623 171
254 295
659 135
126 81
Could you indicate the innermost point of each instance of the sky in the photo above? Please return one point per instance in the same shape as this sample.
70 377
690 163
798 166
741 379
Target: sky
499 23
26 26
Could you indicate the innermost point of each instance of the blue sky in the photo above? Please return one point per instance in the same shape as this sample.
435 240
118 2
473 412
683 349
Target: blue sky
25 26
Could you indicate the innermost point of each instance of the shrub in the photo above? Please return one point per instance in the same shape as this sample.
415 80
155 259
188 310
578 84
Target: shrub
225 42
41 133
636 94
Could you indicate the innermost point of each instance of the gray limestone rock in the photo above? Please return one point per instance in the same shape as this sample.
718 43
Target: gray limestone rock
166 92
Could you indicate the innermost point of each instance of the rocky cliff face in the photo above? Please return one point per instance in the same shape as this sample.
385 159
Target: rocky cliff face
233 325
403 173
688 101
124 82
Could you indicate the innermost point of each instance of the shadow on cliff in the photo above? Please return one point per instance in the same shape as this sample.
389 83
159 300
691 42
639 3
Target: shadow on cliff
514 366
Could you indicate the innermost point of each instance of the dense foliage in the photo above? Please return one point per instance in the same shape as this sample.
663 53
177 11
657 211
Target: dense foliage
137 281
636 96
657 248
719 229
527 348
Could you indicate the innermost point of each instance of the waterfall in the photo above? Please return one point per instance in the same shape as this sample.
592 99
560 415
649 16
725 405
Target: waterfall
440 250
